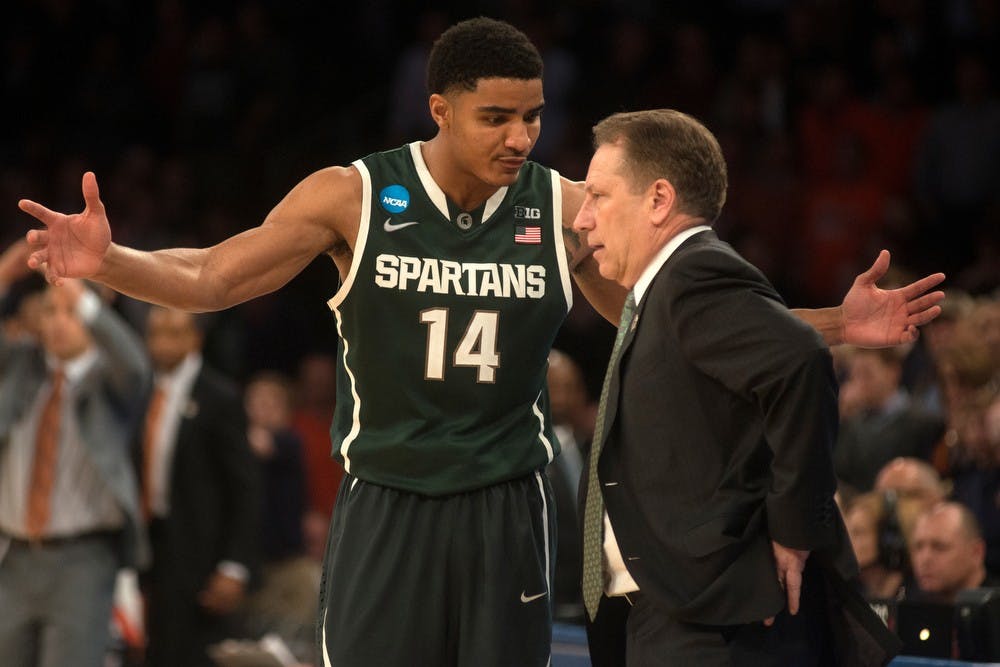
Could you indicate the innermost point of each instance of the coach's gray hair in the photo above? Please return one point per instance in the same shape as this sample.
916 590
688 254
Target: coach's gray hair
664 143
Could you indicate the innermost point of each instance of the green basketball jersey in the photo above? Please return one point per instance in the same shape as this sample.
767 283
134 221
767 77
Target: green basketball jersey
445 323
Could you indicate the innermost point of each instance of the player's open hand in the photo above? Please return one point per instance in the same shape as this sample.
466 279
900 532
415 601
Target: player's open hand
874 317
70 246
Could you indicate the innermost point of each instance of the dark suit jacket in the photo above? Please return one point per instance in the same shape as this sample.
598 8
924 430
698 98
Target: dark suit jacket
214 507
721 422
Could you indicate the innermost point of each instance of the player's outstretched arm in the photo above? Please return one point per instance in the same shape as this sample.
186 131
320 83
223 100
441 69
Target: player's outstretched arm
873 317
308 221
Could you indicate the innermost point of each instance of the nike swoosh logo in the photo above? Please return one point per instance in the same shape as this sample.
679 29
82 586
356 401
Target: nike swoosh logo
389 227
529 598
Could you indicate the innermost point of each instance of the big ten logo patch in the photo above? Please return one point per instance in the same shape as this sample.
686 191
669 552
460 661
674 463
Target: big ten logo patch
527 213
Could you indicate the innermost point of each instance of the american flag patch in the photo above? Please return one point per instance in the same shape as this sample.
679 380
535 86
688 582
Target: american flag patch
528 234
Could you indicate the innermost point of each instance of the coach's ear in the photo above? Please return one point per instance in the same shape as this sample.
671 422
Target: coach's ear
662 198
441 110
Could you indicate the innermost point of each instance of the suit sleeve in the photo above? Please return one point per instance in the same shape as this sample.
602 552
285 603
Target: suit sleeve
130 373
733 327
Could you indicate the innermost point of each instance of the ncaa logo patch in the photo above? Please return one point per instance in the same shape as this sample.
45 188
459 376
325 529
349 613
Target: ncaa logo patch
394 198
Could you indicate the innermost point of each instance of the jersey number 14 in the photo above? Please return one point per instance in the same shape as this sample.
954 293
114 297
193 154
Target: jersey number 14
477 347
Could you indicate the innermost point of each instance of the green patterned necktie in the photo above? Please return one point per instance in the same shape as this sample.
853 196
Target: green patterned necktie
593 513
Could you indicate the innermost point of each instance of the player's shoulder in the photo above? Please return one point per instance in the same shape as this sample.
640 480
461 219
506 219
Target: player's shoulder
329 198
328 189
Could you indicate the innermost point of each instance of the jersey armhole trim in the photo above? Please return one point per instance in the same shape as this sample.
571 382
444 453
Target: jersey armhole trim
557 234
362 240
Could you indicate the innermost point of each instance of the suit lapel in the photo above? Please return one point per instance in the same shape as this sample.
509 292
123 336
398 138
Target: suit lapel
614 389
190 409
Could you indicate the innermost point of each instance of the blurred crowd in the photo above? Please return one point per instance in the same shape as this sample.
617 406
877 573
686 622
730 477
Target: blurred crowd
918 455
848 126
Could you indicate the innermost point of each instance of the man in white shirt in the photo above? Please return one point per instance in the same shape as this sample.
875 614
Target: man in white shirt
69 510
200 493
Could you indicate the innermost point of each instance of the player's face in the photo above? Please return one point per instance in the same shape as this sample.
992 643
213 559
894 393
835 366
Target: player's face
495 126
612 216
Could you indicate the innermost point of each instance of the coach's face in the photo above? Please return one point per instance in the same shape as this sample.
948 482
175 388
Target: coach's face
615 218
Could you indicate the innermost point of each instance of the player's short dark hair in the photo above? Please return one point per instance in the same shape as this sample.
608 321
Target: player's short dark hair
665 143
480 48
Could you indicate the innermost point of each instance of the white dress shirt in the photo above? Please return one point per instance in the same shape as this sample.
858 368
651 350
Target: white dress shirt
176 385
81 500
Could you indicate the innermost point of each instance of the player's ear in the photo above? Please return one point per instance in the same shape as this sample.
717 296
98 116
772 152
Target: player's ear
440 110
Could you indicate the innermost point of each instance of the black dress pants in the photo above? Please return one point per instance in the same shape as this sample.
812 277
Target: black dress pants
653 639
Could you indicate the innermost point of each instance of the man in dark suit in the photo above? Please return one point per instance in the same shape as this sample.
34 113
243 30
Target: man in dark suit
69 508
712 453
201 493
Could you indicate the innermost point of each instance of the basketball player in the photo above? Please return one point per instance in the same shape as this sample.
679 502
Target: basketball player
455 257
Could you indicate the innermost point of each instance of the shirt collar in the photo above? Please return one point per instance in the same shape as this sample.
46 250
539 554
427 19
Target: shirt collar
75 368
646 279
183 374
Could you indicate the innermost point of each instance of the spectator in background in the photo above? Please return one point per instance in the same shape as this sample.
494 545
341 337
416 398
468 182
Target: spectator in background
572 412
969 376
878 544
69 508
923 366
22 309
976 475
879 422
201 493
279 450
947 553
286 601
984 320
916 487
573 424
315 398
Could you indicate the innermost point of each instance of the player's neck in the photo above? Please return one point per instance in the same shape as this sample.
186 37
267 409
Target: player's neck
463 188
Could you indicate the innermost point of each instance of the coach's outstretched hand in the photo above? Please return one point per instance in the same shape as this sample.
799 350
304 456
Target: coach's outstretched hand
70 246
875 317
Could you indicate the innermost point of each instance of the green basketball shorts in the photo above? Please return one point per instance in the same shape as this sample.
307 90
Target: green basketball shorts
454 581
